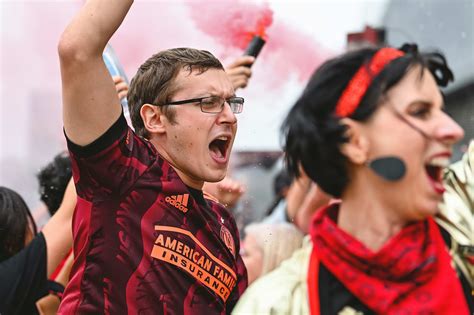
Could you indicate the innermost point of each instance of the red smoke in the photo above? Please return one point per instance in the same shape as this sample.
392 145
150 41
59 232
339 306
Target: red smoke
288 52
232 23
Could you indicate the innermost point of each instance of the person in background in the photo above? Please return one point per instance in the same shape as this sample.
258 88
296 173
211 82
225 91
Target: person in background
299 202
28 259
228 191
315 199
17 227
53 180
265 246
276 212
370 129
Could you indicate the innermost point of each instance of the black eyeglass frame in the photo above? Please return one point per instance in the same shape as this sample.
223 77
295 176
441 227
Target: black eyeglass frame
199 100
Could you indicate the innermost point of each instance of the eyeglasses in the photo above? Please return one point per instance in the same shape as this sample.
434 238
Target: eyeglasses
213 104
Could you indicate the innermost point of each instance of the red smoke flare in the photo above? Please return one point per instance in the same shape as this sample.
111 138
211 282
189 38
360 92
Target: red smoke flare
232 23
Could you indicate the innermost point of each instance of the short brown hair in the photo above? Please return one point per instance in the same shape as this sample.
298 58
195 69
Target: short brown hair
153 82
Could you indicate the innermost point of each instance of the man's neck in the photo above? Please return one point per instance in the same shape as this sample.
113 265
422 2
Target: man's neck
187 180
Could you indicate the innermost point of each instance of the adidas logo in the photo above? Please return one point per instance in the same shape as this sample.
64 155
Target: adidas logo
179 202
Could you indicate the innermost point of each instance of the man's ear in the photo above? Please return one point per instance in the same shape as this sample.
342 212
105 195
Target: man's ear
153 119
357 147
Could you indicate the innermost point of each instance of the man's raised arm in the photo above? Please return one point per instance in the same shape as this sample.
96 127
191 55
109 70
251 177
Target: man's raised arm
90 102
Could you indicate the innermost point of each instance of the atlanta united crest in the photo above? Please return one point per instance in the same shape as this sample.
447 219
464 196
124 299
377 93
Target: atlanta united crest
228 240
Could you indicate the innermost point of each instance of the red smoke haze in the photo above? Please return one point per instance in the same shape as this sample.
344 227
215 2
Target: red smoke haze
288 52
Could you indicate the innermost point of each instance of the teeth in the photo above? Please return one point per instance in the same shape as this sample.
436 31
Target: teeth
440 162
222 138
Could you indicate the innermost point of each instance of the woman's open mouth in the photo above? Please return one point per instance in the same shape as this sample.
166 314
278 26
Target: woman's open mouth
434 170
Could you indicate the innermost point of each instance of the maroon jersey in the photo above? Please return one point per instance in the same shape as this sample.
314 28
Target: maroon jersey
145 243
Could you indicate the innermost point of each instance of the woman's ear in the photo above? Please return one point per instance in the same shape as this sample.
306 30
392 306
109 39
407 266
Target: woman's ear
357 147
153 119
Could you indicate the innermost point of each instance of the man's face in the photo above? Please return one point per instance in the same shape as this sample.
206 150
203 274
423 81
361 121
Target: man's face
198 144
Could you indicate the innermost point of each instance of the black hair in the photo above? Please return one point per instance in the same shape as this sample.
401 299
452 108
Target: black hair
53 180
313 133
15 217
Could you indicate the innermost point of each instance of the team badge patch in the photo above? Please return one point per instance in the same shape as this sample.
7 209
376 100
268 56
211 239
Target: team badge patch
228 240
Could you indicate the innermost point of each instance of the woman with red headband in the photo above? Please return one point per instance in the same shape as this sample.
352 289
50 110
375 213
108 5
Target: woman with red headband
370 129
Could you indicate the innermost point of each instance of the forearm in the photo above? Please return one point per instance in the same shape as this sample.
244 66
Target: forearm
63 275
91 29
90 101
48 305
58 231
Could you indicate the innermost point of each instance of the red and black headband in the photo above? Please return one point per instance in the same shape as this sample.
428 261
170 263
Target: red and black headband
360 82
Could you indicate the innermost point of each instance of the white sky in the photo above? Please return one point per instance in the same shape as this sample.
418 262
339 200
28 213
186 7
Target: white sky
330 20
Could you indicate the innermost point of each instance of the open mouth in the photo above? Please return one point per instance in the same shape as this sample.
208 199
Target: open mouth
434 170
219 147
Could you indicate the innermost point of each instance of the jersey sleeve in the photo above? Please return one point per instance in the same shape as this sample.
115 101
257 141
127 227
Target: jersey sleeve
23 277
112 163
